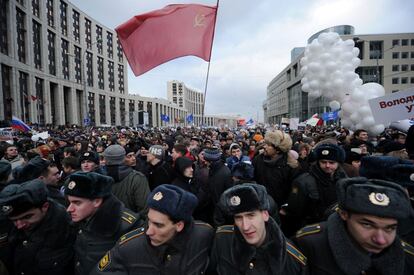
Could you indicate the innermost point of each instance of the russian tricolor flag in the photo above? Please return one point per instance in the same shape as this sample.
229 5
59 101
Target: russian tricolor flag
19 125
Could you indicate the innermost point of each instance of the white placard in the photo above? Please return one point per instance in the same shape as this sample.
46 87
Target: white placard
393 107
294 122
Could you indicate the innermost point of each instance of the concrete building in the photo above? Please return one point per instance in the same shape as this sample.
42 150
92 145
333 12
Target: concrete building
187 98
51 53
385 58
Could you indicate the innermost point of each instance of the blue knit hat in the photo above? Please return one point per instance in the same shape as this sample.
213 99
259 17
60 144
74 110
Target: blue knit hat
212 154
173 201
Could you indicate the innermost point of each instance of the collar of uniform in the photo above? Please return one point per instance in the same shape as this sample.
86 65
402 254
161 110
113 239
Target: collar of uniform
107 219
274 249
353 260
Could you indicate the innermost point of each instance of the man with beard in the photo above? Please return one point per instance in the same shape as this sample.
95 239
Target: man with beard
313 193
41 240
361 237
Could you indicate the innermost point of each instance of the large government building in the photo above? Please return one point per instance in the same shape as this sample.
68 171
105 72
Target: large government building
59 66
387 59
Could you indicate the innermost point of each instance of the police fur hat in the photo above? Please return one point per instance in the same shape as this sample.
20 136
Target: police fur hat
173 201
279 140
245 197
19 198
388 168
329 152
373 197
92 156
89 185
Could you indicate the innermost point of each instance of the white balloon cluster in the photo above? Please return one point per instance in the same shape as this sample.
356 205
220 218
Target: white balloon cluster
328 70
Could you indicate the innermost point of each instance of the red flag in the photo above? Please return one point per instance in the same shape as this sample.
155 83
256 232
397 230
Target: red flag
34 98
156 37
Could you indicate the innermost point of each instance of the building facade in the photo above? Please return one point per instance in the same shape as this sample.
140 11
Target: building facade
387 59
59 66
187 98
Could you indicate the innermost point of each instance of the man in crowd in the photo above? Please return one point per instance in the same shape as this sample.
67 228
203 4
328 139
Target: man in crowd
11 154
42 237
275 168
90 162
158 171
254 244
314 192
101 218
130 186
361 238
172 243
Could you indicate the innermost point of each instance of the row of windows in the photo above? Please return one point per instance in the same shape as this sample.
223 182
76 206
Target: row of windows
402 42
402 80
403 55
404 67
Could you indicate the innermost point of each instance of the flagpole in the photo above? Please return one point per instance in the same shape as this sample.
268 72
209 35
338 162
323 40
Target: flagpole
208 68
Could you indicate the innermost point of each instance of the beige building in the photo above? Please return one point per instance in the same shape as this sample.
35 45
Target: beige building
187 98
385 58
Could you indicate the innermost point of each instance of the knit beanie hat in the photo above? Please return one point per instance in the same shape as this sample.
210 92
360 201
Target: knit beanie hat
114 155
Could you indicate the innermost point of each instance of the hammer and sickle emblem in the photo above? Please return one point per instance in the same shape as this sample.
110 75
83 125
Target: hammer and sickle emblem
199 20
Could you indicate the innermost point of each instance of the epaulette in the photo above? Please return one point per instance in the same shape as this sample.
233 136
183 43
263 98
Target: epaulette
203 224
295 253
225 229
131 235
129 218
408 248
335 207
309 230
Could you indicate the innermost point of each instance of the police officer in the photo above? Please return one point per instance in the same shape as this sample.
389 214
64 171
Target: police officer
101 218
254 244
171 243
42 237
313 193
361 237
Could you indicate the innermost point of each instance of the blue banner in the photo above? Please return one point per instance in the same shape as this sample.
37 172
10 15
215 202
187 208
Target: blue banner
330 116
190 118
165 118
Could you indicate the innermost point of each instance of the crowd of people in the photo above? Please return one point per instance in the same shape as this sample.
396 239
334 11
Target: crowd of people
321 200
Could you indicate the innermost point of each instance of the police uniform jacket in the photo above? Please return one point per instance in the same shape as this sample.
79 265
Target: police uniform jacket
99 234
186 254
277 256
312 194
331 251
45 250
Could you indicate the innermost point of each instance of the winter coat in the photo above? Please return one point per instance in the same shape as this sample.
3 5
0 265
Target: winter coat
99 234
158 174
130 187
231 254
45 250
187 253
331 251
313 193
276 175
15 162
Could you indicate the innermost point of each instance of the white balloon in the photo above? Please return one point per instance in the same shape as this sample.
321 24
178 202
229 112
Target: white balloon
355 52
346 122
356 62
334 105
377 129
357 95
314 84
365 110
368 122
354 117
304 60
347 107
306 88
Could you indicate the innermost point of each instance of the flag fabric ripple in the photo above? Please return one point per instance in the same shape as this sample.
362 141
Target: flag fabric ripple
18 124
177 30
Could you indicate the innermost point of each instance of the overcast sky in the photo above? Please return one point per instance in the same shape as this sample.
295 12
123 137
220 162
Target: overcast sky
253 40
